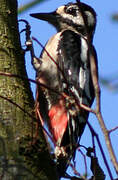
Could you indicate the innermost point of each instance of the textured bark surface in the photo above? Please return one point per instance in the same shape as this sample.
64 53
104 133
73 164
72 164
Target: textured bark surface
18 158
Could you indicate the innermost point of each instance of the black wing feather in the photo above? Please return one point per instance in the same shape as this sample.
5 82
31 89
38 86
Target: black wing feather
73 59
75 64
69 55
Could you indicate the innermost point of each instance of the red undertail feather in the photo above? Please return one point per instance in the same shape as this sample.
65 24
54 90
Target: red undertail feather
58 121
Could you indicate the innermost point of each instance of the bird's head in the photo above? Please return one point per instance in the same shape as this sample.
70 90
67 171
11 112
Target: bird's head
70 17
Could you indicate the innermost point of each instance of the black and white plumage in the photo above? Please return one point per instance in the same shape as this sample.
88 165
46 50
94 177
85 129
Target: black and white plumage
68 74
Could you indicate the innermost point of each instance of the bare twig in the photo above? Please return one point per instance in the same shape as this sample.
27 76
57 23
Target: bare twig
113 129
76 172
28 79
101 150
108 141
47 87
87 108
84 157
29 5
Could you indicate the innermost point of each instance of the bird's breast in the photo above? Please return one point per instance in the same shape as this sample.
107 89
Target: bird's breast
49 66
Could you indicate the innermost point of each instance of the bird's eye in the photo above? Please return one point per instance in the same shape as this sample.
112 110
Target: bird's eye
71 11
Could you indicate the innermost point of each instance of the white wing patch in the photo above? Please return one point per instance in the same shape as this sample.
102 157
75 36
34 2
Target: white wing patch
84 50
82 78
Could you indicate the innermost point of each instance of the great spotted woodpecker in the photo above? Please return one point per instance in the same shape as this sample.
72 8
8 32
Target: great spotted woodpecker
65 69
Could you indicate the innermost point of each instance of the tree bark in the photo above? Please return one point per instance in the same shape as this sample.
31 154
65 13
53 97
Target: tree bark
19 158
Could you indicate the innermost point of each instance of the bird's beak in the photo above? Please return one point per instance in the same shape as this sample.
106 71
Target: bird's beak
50 17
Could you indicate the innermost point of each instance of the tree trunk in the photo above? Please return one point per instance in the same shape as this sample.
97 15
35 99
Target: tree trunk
19 158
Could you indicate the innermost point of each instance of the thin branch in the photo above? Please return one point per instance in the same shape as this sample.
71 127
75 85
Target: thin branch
87 108
29 5
113 129
84 157
101 149
83 106
28 79
74 170
108 141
